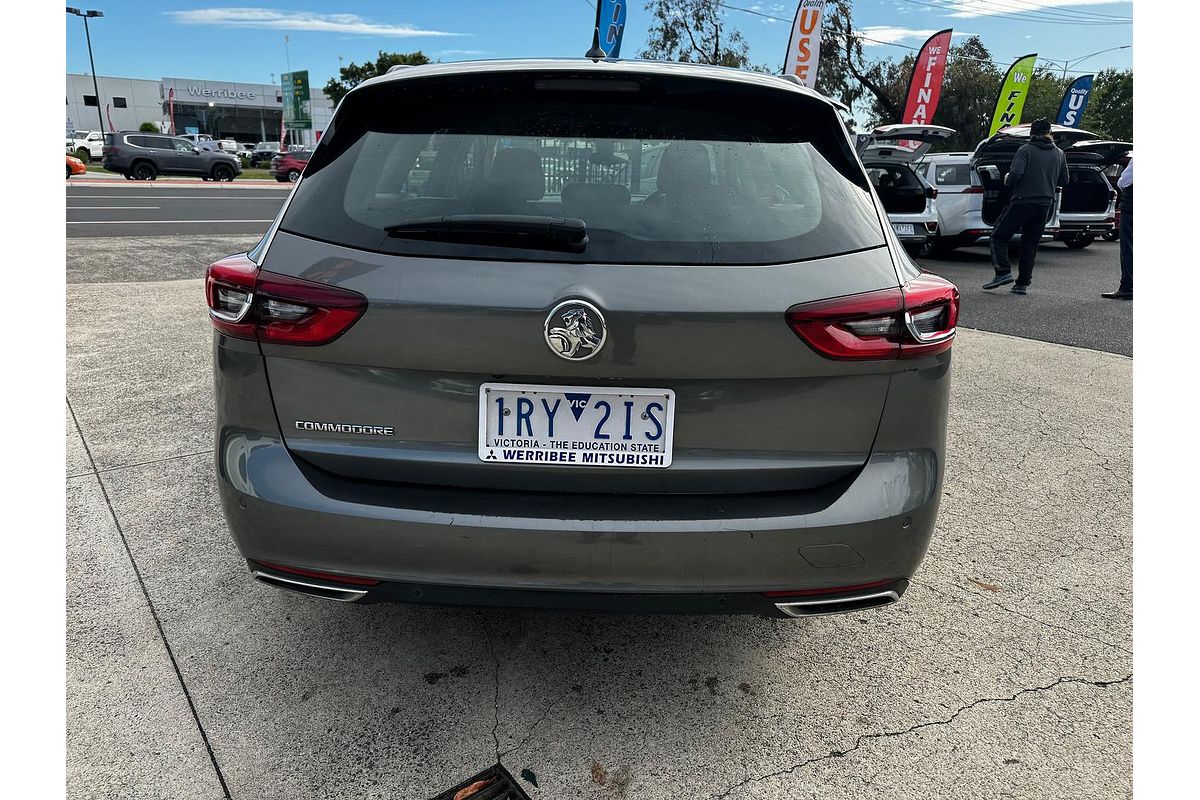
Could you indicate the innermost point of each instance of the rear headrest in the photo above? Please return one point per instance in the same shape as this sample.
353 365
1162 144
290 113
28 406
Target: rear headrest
519 172
683 167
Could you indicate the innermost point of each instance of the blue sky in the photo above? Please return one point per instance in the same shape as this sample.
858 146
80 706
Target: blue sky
245 42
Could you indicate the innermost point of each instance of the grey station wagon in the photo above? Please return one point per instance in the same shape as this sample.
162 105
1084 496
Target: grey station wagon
604 335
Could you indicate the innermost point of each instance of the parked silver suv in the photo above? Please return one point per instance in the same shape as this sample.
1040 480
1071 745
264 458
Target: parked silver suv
444 377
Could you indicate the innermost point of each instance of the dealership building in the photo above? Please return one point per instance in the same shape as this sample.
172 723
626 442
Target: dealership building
247 112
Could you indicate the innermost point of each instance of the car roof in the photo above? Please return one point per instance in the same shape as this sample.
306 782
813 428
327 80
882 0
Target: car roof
608 66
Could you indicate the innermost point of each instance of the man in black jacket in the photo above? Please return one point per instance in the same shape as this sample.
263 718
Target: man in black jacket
1038 169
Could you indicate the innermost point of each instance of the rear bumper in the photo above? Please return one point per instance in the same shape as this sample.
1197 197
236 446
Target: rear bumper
873 526
801 605
618 552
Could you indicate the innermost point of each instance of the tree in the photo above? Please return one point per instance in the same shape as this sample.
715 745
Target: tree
353 74
694 31
1110 111
148 127
843 72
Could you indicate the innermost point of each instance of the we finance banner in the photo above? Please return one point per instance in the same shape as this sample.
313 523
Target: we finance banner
1011 100
925 85
1075 101
804 46
610 22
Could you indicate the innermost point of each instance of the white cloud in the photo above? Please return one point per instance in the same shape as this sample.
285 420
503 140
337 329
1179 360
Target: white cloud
995 8
890 34
297 21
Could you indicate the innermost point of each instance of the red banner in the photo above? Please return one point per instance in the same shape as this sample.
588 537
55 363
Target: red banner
925 86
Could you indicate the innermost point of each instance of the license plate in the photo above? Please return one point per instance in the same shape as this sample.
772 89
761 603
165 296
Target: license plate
575 426
903 228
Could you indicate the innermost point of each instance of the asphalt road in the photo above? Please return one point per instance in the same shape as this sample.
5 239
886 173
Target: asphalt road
1005 671
1063 305
155 208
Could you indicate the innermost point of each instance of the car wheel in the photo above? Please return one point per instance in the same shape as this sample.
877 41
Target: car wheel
1079 242
222 172
68 173
293 175
84 155
144 171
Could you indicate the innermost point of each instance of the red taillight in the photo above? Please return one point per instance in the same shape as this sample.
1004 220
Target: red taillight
931 192
915 320
248 303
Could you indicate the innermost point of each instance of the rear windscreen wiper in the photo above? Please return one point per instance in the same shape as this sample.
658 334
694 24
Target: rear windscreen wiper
505 230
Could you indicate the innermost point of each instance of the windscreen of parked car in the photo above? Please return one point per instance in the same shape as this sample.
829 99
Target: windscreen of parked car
669 170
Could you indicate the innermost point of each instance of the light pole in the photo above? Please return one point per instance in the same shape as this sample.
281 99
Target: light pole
95 84
1068 62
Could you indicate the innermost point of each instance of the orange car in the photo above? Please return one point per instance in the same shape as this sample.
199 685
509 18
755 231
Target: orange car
75 167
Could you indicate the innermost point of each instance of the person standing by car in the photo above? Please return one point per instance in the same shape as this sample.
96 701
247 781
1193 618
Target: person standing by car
1125 185
1038 169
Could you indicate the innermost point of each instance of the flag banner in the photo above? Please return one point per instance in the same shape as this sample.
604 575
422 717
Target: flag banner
1075 101
1011 100
925 85
804 46
610 21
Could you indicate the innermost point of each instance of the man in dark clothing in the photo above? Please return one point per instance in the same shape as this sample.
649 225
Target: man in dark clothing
1038 169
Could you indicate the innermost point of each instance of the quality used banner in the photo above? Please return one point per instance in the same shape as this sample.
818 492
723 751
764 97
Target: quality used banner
1075 101
925 85
1014 90
804 46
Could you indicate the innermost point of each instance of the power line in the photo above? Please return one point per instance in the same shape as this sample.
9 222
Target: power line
866 38
1059 13
1032 17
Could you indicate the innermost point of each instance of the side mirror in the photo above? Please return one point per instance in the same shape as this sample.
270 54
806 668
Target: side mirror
195 151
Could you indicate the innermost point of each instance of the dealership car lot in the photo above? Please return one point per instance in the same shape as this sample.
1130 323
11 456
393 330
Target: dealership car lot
1003 672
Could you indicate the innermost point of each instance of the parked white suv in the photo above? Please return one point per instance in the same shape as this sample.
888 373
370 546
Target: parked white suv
86 145
888 154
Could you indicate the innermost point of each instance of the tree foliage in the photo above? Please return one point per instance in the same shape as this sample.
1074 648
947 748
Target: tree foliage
353 74
149 127
694 31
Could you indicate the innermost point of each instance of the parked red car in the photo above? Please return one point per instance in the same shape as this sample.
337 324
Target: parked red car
288 166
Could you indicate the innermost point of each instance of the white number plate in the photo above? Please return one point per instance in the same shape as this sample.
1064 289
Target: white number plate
575 426
903 228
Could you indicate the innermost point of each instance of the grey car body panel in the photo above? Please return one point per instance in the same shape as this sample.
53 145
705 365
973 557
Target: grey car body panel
414 362
843 490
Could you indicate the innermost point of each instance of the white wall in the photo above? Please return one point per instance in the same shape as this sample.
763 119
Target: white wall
142 98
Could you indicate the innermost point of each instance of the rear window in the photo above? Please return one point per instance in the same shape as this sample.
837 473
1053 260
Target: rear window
660 169
952 174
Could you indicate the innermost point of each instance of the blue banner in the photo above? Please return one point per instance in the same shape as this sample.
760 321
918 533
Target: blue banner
610 20
1075 101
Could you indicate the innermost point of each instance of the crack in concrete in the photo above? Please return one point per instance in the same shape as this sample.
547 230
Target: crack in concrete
866 737
496 685
540 720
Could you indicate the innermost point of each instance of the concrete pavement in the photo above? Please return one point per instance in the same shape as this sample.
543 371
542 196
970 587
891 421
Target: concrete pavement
1005 670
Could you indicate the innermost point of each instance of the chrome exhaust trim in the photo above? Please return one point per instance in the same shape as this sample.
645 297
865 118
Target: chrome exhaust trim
308 587
822 607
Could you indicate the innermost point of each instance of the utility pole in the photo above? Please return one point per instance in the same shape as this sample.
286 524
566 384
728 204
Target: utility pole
95 84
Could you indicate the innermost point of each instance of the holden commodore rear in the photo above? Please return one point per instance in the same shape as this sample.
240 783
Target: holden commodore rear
618 335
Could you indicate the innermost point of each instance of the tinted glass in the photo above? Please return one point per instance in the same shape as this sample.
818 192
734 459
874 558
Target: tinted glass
661 170
952 174
141 141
